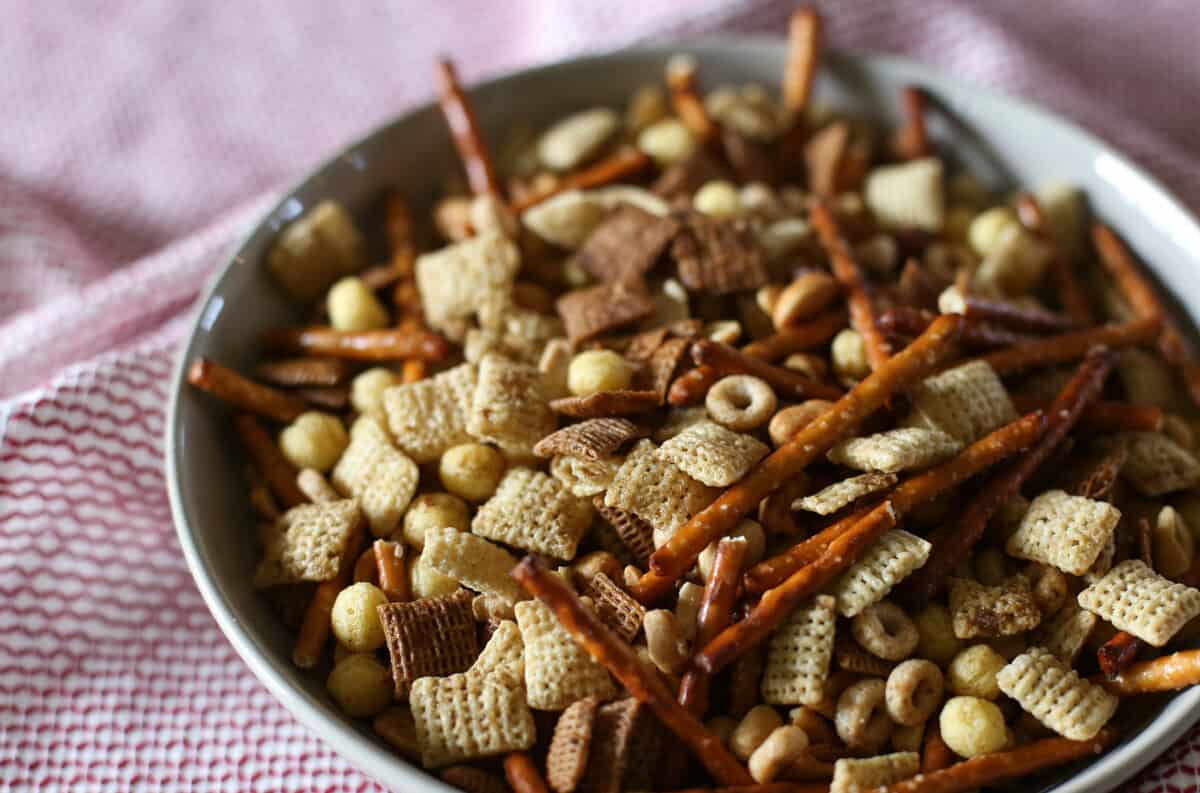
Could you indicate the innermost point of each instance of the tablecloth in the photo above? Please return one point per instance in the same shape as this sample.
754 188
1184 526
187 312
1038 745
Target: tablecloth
141 139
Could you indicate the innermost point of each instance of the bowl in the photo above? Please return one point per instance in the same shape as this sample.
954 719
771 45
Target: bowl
1005 140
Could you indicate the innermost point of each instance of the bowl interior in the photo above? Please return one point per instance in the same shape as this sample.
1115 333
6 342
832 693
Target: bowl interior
1006 141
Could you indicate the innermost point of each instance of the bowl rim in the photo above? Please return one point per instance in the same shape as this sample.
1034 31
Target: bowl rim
1132 755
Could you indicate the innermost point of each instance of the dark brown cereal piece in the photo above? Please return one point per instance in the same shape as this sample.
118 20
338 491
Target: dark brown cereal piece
594 311
823 157
750 160
605 537
852 658
628 243
470 779
686 177
623 737
636 534
718 256
1096 477
614 606
642 346
567 758
431 637
593 439
606 404
659 369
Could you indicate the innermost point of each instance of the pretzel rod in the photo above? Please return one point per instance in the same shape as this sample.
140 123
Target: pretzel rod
988 769
314 630
1071 346
804 53
935 754
364 345
304 372
280 475
399 227
725 360
850 276
777 603
909 321
522 774
1144 300
391 572
1118 653
775 512
952 542
1105 416
464 128
619 165
692 385
334 398
619 658
688 104
1070 290
1004 442
679 553
1017 317
1166 673
366 568
716 608
243 393
913 138
800 338
765 787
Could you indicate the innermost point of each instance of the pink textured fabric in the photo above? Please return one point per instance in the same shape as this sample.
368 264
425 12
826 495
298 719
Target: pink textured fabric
140 139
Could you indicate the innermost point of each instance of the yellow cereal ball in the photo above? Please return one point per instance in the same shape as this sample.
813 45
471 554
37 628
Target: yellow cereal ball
426 582
471 470
718 199
353 306
668 141
972 726
434 511
986 228
849 355
935 630
361 685
314 440
598 370
973 672
366 390
354 619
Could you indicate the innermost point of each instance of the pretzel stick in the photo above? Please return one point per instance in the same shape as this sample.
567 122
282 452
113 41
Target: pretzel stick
850 277
334 398
716 606
909 321
799 338
952 542
413 370
679 553
1004 442
725 360
1071 346
804 53
766 787
692 385
399 227
280 475
619 165
988 769
619 658
522 774
464 128
935 754
1012 315
304 372
314 630
1118 653
243 393
1166 673
1066 280
391 572
685 98
364 345
1105 416
1144 300
366 568
912 139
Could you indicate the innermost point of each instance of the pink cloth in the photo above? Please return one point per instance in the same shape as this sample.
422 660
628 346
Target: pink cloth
140 140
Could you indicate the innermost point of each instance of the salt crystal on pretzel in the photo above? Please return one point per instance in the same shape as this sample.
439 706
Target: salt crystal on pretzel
585 477
1065 633
306 543
593 438
509 407
1138 600
968 402
1056 695
315 250
656 490
567 757
1064 531
832 498
558 671
799 654
900 449
467 717
892 558
712 454
1157 465
381 477
503 656
992 611
456 280
533 511
430 636
428 417
472 561
859 775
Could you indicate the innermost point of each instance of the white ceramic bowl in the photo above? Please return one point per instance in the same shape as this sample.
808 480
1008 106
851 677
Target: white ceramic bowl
1007 141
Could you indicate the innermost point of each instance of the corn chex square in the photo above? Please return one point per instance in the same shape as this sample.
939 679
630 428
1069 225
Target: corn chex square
1157 465
712 454
558 670
509 407
465 717
473 562
455 281
991 611
1138 600
829 500
968 402
1065 633
1056 695
382 478
799 653
861 774
429 416
430 636
656 490
892 558
509 330
585 477
503 656
306 543
901 449
1064 531
534 512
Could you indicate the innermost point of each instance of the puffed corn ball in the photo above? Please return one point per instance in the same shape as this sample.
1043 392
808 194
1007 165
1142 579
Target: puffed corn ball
849 355
718 199
354 619
434 511
353 306
935 630
593 371
985 230
973 672
314 440
471 470
667 141
366 390
971 726
361 685
426 582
